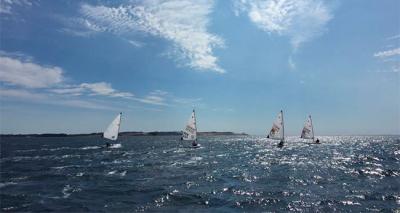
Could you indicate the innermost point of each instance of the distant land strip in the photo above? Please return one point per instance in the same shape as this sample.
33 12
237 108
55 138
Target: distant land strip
156 133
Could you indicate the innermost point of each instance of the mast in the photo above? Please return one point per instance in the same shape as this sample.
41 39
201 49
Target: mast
119 124
195 124
283 128
312 128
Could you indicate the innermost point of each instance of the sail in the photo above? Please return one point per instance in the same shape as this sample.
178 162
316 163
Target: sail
113 129
277 130
308 129
190 131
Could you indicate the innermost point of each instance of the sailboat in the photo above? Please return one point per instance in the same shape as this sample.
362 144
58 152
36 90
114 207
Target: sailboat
308 130
190 131
111 133
278 130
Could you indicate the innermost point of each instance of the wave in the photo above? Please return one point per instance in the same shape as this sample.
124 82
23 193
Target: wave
7 184
67 166
68 190
115 146
91 147
116 172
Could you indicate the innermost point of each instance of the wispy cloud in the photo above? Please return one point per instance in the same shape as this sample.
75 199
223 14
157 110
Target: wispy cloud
182 22
393 37
300 20
6 6
152 99
47 84
387 53
164 98
42 98
21 94
105 89
28 74
136 43
155 97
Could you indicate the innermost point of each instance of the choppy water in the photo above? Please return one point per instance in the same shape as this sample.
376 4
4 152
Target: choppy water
238 173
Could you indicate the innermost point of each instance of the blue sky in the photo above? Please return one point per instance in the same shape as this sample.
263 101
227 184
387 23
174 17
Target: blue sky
71 66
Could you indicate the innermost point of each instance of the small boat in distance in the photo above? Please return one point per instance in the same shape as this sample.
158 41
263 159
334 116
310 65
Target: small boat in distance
190 131
111 133
308 130
278 130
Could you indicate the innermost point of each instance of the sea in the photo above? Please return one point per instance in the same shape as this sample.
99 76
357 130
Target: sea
226 174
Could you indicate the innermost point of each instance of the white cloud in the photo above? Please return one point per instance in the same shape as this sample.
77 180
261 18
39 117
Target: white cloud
387 53
21 94
101 88
105 89
182 22
37 97
46 85
393 37
152 99
74 91
135 43
300 20
156 97
159 92
6 6
28 74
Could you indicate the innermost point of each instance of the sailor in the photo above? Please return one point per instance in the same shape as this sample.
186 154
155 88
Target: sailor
108 144
317 141
280 143
194 143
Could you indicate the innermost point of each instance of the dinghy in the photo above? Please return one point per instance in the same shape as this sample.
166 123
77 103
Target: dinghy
111 133
308 130
278 130
190 131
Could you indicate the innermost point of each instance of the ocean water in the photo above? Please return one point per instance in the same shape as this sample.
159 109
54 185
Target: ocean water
227 174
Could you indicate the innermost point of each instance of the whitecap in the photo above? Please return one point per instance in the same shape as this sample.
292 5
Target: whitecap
9 208
7 184
196 158
91 147
115 146
349 202
112 172
68 190
63 167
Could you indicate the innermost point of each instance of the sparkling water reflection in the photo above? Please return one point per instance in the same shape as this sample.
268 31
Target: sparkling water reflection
228 173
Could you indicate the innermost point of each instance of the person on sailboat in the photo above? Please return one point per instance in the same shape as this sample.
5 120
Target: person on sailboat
194 143
317 141
108 144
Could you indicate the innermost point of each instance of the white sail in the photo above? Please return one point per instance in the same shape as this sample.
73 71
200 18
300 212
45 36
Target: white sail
190 131
113 129
277 130
308 129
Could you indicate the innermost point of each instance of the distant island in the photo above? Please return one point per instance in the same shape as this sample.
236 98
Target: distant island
156 133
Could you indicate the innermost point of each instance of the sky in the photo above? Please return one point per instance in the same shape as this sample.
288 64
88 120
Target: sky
71 66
